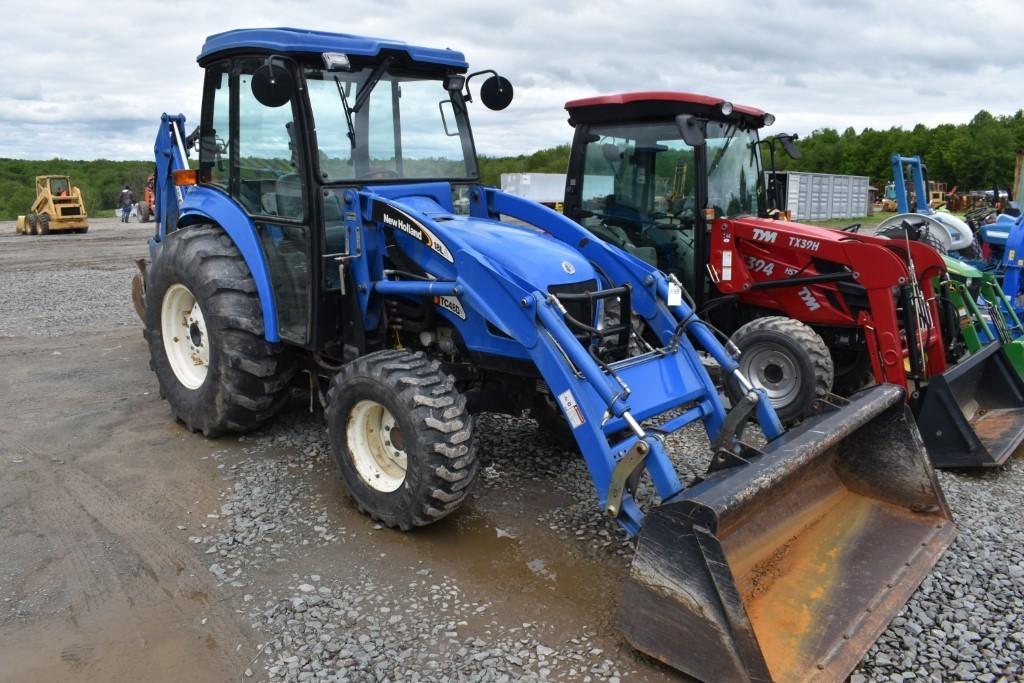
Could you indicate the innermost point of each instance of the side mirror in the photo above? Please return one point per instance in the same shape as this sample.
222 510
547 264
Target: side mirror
272 85
691 129
789 144
496 92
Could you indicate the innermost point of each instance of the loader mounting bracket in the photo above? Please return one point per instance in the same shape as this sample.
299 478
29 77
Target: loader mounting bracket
626 476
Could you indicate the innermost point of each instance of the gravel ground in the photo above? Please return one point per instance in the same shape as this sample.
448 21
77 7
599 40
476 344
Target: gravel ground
51 304
966 622
377 618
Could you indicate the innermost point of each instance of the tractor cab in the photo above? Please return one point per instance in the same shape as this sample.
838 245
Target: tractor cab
649 170
293 122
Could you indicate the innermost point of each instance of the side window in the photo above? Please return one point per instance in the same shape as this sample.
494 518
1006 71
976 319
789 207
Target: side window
381 130
335 147
269 178
214 146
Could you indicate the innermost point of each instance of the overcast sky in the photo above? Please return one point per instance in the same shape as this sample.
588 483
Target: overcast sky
87 80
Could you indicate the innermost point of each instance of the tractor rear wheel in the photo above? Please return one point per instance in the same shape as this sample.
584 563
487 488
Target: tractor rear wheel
204 325
143 212
788 360
402 438
43 224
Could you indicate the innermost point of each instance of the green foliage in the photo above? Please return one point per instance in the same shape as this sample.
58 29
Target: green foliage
971 156
553 160
100 181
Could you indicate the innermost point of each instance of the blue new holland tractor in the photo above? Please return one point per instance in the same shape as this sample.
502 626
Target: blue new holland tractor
334 235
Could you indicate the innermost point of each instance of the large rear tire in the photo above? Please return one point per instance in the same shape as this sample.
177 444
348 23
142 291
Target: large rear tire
788 360
402 438
204 325
143 212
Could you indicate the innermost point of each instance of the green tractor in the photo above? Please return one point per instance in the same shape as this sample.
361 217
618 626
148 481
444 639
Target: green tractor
984 324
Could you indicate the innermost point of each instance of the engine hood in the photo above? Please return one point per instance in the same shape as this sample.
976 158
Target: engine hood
432 235
525 251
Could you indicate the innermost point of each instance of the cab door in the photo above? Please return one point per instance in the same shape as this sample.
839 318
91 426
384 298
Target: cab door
265 174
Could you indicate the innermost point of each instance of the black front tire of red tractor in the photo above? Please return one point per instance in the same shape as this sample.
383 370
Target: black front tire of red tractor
788 360
246 379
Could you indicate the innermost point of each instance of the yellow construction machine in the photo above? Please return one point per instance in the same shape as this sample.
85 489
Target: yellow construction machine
58 207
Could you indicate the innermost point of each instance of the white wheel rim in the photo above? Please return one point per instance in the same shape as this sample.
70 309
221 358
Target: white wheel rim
374 443
184 333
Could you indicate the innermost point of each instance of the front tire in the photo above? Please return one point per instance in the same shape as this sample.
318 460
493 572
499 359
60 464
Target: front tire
402 438
43 224
788 360
204 325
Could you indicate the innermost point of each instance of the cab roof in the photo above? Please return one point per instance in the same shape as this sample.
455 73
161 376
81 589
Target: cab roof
654 104
300 41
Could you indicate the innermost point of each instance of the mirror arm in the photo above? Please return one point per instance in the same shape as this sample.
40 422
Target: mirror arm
468 97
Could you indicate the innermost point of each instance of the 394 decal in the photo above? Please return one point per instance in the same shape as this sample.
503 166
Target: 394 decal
759 265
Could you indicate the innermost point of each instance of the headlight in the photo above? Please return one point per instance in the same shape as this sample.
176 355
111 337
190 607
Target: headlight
725 108
768 119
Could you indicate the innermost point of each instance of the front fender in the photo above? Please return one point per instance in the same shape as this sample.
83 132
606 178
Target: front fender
206 205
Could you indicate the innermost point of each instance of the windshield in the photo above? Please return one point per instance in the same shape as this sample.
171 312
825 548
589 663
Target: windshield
733 164
392 128
638 193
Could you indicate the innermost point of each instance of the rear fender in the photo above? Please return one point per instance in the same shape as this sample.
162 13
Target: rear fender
206 205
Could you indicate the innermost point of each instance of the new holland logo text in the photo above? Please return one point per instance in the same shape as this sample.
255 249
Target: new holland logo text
404 226
394 218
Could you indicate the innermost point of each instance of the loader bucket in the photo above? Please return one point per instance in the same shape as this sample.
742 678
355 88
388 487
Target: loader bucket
973 415
789 567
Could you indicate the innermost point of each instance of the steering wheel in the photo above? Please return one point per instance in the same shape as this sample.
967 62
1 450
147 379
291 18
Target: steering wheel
382 174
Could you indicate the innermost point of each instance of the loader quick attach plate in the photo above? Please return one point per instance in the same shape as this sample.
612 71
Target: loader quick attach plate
788 569
973 415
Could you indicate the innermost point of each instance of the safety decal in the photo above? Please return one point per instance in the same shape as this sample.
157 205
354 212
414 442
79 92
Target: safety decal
384 214
572 408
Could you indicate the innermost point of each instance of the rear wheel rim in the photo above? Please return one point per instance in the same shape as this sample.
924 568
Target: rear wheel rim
376 445
186 342
773 370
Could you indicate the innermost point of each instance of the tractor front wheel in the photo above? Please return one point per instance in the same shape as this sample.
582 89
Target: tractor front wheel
43 224
402 438
788 360
204 325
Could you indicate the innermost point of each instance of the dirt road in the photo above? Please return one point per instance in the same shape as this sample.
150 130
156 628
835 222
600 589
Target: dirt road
132 550
109 508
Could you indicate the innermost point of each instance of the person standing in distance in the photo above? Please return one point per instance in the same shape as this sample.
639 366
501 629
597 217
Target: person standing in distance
125 201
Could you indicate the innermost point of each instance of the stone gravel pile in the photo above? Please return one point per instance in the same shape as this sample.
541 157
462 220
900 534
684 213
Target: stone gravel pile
965 623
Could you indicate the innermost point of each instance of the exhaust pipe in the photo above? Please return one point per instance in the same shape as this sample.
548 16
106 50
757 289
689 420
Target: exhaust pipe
789 567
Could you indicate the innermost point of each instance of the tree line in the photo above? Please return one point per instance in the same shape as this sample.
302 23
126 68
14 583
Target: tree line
100 180
971 156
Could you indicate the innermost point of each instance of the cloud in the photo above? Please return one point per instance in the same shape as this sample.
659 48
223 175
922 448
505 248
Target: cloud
97 87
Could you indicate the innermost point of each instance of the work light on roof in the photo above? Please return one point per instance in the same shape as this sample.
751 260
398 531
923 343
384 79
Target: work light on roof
768 119
336 61
725 108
